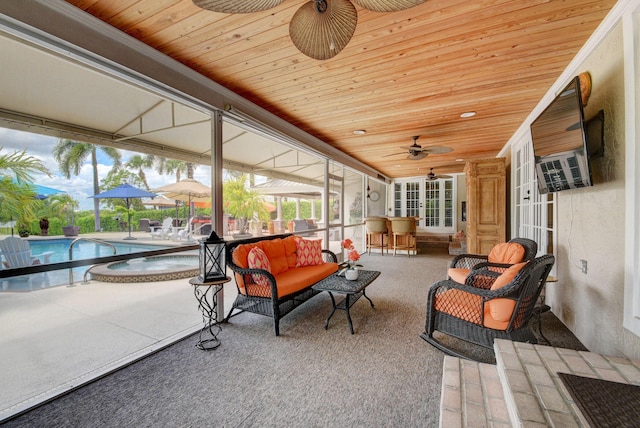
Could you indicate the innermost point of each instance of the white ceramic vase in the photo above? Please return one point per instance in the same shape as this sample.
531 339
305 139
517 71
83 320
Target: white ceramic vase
351 274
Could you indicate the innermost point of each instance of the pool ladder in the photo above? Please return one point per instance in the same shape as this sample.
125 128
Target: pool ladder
97 241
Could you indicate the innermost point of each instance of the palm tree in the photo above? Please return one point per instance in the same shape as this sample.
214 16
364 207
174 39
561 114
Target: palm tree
175 166
139 163
16 195
72 155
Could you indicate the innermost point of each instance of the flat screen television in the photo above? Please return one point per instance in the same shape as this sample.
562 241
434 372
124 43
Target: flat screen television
563 142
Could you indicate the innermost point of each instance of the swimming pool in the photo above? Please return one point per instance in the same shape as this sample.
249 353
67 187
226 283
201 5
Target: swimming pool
60 248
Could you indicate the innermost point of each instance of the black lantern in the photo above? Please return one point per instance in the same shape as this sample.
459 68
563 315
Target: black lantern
212 259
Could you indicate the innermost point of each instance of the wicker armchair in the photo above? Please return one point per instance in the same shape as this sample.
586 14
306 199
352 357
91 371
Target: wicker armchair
462 264
466 311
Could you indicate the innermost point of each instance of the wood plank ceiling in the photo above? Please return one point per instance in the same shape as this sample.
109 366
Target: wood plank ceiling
402 74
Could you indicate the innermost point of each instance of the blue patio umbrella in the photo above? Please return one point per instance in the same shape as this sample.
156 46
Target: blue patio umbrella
43 192
126 192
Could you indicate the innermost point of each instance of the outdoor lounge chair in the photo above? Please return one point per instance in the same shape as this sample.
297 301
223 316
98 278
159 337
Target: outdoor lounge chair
485 307
500 257
17 253
162 232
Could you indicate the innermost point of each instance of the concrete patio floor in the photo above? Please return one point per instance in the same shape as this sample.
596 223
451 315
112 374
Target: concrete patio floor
55 339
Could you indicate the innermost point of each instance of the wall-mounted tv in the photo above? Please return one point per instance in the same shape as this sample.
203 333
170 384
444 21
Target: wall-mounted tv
561 142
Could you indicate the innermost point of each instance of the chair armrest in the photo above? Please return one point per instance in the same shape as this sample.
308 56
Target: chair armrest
329 256
248 279
467 261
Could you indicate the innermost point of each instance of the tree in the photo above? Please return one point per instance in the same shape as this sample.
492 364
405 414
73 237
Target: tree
16 194
139 163
115 178
243 203
72 155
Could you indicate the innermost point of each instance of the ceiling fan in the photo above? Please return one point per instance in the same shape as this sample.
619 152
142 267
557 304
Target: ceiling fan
320 29
417 152
432 176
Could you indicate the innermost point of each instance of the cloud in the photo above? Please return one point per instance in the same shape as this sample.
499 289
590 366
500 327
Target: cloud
81 186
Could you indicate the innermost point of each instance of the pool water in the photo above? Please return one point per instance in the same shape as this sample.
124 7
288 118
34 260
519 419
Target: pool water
85 249
60 249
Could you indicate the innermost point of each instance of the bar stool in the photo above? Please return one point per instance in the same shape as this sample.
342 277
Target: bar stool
376 228
405 229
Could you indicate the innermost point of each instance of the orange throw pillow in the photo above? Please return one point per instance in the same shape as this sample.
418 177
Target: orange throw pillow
257 259
308 252
507 253
502 309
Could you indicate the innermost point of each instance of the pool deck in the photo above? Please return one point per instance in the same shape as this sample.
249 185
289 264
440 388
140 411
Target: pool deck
54 339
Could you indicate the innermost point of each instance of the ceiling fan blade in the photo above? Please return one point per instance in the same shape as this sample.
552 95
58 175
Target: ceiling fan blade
322 34
444 176
437 150
417 156
394 154
237 6
415 148
387 5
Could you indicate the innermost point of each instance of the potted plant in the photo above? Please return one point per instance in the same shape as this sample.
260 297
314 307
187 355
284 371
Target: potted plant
44 226
67 206
350 267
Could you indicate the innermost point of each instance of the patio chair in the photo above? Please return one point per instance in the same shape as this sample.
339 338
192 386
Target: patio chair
500 257
485 307
17 253
377 234
163 231
403 231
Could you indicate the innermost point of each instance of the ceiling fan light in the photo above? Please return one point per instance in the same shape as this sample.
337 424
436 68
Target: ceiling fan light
322 35
237 6
387 5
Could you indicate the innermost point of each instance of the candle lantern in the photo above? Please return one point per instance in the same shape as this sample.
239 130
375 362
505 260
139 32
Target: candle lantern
212 258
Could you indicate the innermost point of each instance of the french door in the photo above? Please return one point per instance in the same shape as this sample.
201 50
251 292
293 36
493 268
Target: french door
533 213
432 201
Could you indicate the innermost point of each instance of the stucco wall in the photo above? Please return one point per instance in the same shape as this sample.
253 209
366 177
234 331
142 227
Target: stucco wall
590 222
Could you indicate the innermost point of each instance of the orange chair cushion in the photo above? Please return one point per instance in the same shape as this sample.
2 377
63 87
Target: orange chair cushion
507 253
502 309
309 252
459 275
257 259
468 307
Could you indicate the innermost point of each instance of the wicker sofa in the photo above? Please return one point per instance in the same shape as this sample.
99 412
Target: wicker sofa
294 266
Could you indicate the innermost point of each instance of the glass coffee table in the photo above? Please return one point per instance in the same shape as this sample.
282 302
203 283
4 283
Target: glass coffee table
352 291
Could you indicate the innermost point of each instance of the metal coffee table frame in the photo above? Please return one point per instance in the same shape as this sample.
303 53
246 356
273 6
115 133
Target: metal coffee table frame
352 290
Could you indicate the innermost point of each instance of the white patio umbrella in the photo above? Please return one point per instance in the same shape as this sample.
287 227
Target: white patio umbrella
188 190
160 201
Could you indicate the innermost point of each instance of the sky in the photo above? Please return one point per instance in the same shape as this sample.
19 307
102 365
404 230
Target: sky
81 186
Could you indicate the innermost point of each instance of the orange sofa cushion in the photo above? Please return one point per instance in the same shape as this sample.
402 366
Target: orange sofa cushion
300 278
282 256
507 253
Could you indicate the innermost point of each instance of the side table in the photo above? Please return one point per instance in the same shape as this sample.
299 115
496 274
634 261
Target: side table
208 338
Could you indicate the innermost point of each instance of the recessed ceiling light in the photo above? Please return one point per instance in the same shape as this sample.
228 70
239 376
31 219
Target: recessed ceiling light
359 132
459 160
468 114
